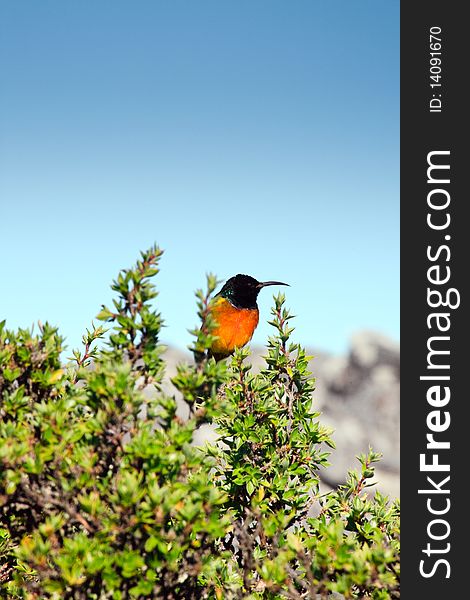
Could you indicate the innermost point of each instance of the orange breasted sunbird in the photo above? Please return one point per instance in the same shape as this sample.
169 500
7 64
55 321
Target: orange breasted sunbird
236 314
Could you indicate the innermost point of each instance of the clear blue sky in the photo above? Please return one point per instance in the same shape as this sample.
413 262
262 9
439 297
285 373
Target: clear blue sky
257 137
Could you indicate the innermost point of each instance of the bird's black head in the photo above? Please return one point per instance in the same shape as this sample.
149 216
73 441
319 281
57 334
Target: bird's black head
242 290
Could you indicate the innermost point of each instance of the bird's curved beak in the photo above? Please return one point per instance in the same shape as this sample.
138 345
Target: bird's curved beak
263 284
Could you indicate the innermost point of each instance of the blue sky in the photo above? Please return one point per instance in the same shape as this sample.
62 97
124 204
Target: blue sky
257 137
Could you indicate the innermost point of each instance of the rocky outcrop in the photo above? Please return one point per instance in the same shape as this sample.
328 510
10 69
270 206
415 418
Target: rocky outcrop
359 396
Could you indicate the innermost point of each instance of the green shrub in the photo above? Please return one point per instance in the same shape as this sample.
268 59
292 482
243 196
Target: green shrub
103 493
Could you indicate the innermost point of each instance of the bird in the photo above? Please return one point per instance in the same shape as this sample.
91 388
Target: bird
235 313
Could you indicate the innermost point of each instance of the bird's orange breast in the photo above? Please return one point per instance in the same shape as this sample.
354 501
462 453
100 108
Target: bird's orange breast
234 326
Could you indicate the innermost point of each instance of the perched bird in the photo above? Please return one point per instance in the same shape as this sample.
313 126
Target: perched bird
236 314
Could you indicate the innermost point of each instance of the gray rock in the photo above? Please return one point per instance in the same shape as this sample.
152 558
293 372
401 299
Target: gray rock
369 348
